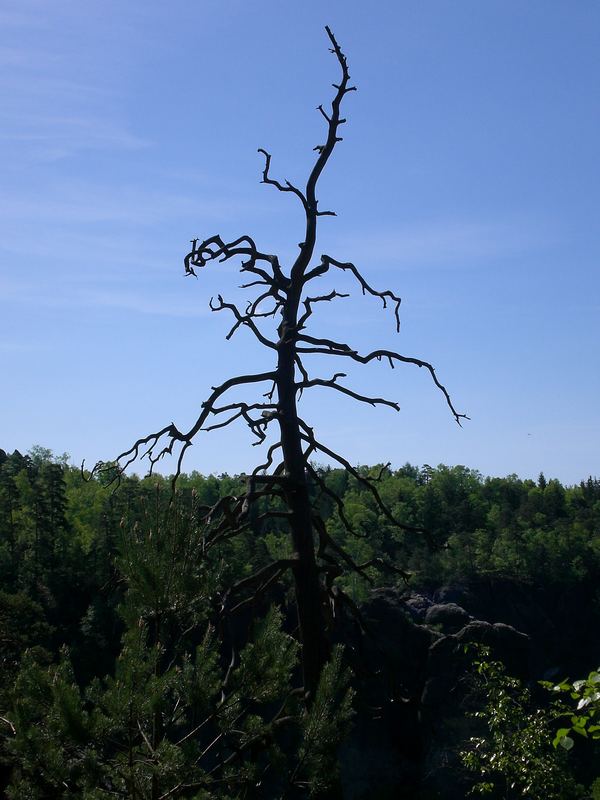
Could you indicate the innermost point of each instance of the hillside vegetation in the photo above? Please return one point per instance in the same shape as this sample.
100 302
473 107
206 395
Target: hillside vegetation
84 566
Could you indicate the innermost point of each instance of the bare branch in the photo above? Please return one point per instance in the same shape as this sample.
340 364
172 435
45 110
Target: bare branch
341 508
273 515
272 182
332 384
215 249
333 346
325 541
310 438
300 366
268 463
334 120
242 410
327 348
149 443
320 108
309 301
324 151
340 596
241 319
9 724
271 293
245 406
261 580
366 288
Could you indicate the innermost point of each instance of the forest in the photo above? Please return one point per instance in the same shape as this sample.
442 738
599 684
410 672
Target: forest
121 676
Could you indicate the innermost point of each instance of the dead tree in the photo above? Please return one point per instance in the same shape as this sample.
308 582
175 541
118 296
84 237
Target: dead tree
284 294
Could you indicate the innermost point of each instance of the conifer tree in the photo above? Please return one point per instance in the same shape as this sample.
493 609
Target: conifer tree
183 716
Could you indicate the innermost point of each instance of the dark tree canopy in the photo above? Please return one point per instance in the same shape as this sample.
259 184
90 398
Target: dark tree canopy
284 293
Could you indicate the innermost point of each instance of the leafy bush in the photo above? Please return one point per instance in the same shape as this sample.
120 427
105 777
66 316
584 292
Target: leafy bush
514 756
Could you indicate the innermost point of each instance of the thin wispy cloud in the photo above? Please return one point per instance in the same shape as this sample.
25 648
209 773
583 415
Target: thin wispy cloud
163 306
446 244
27 91
51 139
46 114
13 18
83 294
76 204
9 347
14 57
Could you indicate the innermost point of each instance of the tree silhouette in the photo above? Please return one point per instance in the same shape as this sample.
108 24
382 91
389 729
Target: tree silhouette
287 473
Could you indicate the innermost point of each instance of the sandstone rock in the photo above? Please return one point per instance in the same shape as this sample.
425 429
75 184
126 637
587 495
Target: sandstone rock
450 616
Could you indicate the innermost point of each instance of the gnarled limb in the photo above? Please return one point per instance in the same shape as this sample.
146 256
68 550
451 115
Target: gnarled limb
215 249
308 436
323 347
261 579
146 446
287 187
243 319
366 288
308 303
332 384
341 508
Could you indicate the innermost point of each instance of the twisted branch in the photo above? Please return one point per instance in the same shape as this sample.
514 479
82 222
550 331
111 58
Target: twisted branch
148 444
243 319
308 304
310 438
366 288
288 187
330 348
332 384
215 249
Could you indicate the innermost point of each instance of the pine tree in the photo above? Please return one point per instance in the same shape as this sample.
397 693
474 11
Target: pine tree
187 713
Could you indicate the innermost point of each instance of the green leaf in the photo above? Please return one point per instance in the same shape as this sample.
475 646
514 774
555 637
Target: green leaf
566 742
561 733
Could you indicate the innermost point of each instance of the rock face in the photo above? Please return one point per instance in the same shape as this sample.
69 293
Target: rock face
384 751
411 670
558 621
450 617
442 708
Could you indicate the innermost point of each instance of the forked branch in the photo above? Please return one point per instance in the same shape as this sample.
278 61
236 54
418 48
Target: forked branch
366 288
149 446
215 249
329 348
333 384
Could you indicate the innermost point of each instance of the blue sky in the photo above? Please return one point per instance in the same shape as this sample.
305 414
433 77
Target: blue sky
468 182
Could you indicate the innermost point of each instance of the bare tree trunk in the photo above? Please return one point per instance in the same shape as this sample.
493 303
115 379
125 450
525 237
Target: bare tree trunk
315 647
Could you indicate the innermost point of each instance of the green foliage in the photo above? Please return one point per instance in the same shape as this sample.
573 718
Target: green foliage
584 718
184 713
514 756
327 720
129 587
58 530
503 527
149 732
